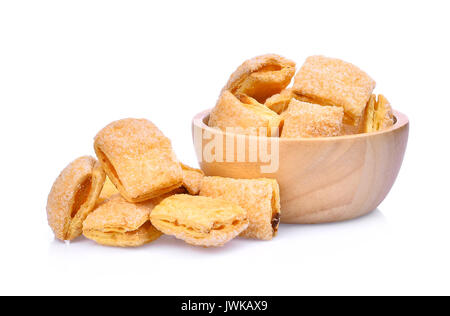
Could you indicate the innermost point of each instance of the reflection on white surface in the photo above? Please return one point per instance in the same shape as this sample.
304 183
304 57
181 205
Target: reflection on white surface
364 228
295 251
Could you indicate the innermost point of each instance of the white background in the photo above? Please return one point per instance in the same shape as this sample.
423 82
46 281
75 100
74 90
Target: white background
68 68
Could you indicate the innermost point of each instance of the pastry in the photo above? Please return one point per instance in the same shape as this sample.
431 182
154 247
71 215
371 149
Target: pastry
261 77
280 102
304 119
138 159
109 189
378 115
259 197
329 81
244 115
199 220
119 223
73 196
192 179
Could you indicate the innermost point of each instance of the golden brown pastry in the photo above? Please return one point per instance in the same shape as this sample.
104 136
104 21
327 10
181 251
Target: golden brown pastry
192 179
109 189
259 197
245 115
261 77
329 81
73 197
119 223
304 119
378 115
280 102
138 159
199 220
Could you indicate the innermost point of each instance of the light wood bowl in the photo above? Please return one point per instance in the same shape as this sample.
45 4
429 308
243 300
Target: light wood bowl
321 179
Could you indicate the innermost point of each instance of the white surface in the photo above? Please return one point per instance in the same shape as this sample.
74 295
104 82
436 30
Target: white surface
69 68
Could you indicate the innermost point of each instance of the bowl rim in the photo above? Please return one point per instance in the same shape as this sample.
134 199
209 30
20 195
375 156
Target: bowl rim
401 121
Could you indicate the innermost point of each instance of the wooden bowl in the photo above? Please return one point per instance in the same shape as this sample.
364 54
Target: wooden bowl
321 179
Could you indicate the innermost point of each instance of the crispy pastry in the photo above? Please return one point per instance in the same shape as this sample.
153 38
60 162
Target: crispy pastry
259 197
138 159
328 81
384 117
192 179
261 77
109 189
244 114
73 197
304 119
280 102
119 223
199 220
378 115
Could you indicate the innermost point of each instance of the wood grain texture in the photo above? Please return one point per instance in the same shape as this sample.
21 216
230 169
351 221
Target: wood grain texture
321 179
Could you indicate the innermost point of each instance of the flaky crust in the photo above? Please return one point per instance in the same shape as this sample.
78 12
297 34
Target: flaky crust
138 159
199 220
259 197
248 117
304 119
329 81
261 77
378 115
280 102
119 223
73 197
109 189
192 179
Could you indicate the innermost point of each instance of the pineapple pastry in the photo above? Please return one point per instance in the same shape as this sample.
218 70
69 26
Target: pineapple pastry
73 196
280 102
329 81
259 197
138 159
304 119
378 115
261 77
192 179
258 95
108 190
245 114
138 190
119 223
199 220
241 102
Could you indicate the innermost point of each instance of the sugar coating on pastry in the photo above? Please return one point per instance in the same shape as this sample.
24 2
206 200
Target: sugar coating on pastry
259 197
138 159
330 81
304 119
261 77
244 114
192 179
109 189
120 223
199 220
280 102
73 196
378 115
